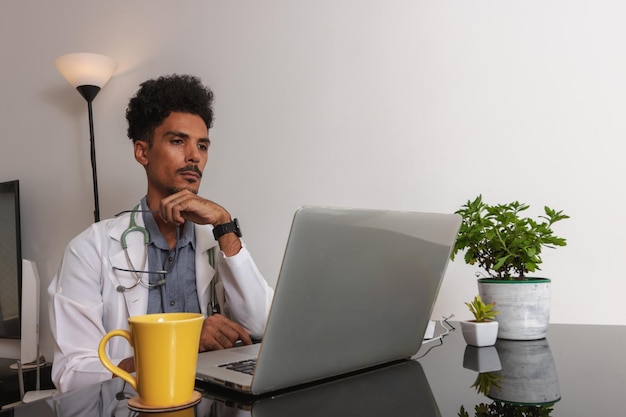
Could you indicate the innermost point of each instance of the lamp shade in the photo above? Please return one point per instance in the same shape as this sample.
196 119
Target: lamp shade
81 69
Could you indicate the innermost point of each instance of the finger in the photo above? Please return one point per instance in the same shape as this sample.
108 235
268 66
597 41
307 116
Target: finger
218 339
239 333
231 330
215 332
209 343
245 338
226 341
164 208
186 205
177 213
226 327
172 207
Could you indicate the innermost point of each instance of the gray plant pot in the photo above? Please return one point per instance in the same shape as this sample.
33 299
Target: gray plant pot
524 306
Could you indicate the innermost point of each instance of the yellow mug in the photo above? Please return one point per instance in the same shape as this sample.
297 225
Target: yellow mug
166 353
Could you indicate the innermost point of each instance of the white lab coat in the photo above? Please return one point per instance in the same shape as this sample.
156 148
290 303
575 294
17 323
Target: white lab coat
85 304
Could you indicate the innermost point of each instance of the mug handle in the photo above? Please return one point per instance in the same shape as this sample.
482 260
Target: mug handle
116 370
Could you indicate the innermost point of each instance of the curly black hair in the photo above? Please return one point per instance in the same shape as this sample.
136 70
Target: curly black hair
157 98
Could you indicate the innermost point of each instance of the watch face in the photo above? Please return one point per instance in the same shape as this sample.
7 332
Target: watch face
237 230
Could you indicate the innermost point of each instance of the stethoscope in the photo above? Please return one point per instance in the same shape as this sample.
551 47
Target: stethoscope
213 307
133 227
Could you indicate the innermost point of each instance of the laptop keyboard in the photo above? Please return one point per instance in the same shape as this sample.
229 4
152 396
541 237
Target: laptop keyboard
246 366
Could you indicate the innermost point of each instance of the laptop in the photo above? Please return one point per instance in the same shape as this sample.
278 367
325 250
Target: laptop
356 290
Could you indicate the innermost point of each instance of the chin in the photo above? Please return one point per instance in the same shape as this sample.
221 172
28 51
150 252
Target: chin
174 190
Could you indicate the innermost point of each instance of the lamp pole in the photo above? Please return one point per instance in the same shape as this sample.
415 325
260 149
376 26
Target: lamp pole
89 92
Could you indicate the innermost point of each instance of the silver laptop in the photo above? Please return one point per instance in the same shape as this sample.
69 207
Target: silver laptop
356 289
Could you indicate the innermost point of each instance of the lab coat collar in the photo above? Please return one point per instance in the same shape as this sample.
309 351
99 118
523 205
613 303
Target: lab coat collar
204 271
136 298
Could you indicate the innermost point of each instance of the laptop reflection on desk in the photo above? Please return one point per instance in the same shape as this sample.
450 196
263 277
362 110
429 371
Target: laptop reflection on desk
356 290
396 390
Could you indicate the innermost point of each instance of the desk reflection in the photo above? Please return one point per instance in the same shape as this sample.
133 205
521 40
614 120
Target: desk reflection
398 389
528 374
520 376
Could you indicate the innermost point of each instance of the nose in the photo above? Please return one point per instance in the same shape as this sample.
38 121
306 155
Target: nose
192 153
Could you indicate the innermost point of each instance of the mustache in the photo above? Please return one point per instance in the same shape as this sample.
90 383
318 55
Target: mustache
192 168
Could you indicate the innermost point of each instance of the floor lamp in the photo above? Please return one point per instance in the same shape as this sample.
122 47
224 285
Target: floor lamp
88 73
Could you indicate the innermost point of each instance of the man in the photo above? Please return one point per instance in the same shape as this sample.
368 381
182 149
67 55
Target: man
194 260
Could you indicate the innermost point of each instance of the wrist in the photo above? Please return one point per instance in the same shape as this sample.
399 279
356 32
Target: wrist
225 218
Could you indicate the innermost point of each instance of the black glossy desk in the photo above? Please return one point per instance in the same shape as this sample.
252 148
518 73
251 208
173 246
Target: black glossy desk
578 371
589 366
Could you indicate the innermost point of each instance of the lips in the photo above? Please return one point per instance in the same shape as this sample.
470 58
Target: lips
190 175
190 172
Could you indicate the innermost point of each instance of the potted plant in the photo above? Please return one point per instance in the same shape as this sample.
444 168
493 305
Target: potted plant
483 330
507 246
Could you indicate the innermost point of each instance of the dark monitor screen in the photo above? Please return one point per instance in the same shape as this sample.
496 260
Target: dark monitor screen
10 260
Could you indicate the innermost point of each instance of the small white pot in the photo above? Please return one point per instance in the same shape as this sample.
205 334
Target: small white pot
480 334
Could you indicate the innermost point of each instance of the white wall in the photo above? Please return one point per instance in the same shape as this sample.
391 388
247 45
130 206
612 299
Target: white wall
412 105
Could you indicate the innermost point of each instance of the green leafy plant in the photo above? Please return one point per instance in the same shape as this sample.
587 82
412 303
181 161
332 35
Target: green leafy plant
502 241
481 311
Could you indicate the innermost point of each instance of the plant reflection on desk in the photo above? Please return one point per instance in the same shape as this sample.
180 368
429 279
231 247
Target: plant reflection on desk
483 384
526 386
500 409
485 380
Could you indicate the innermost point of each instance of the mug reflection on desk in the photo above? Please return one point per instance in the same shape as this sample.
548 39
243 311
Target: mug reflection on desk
187 412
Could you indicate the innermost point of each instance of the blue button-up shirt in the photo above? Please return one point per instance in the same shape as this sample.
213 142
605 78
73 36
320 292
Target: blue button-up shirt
178 293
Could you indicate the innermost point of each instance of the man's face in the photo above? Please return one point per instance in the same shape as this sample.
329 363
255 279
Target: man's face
178 154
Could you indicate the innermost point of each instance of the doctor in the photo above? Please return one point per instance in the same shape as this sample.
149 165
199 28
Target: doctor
179 252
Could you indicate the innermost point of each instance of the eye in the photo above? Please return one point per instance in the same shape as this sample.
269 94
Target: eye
203 147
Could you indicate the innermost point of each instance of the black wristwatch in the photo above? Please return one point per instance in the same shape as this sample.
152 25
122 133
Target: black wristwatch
230 227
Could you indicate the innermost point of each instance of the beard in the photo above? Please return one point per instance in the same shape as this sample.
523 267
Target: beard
188 168
166 186
174 190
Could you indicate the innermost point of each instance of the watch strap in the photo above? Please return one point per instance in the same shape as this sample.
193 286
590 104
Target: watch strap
230 227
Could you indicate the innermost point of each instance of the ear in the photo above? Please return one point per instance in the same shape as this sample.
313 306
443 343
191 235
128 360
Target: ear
141 152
